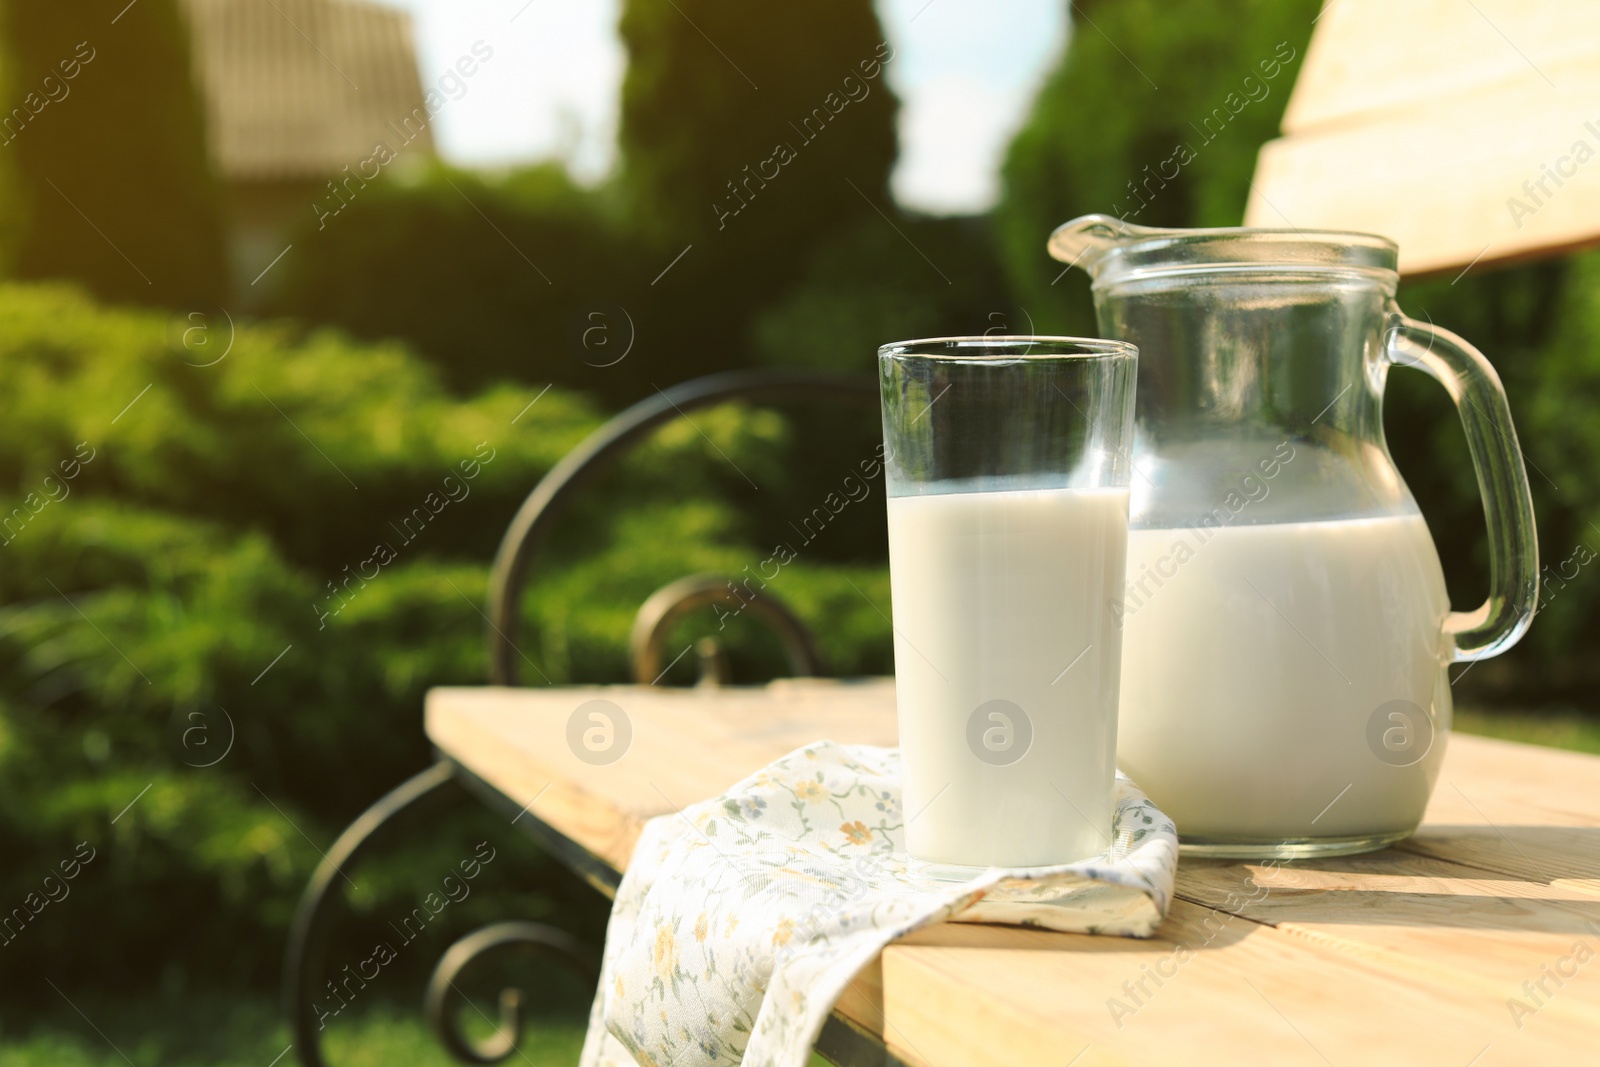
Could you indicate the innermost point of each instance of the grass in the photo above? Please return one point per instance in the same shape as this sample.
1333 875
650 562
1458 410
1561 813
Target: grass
1562 728
247 1032
152 1030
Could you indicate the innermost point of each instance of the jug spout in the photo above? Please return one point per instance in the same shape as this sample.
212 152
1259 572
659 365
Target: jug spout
1109 248
1085 241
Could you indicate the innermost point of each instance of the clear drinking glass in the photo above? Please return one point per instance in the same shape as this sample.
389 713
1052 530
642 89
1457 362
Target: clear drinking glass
1007 463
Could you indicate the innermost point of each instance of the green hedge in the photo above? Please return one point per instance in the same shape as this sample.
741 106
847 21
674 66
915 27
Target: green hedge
143 599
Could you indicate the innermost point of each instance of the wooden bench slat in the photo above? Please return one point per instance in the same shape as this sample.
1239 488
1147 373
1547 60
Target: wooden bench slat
1447 183
1370 57
1252 994
1440 921
1522 810
1422 121
1410 955
687 745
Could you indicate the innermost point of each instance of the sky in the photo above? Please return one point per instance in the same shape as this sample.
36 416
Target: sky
966 72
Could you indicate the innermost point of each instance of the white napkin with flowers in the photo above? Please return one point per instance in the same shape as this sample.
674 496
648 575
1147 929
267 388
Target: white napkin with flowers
741 919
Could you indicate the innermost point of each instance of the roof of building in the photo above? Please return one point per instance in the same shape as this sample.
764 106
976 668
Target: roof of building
298 89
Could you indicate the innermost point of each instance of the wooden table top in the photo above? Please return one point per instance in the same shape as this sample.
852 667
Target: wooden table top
1477 941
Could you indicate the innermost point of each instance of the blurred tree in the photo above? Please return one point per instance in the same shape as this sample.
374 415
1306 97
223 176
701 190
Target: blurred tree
492 278
867 285
748 134
751 132
1155 115
722 192
109 182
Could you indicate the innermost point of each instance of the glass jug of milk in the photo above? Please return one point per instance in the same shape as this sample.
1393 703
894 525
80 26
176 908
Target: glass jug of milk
1285 624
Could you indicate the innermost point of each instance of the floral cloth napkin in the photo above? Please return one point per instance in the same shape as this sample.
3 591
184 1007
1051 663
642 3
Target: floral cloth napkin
741 919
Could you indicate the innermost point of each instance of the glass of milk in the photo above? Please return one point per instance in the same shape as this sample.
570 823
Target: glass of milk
1007 462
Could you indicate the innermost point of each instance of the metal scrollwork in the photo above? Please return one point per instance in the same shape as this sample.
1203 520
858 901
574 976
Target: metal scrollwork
320 903
673 602
441 1001
534 520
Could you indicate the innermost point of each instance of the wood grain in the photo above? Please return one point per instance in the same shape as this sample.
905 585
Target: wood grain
1418 954
1423 121
686 745
1521 810
1444 923
1372 57
1244 993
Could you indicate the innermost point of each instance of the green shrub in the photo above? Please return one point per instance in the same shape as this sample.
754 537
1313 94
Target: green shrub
174 592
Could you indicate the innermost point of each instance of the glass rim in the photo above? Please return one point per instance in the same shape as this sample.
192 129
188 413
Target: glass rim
986 347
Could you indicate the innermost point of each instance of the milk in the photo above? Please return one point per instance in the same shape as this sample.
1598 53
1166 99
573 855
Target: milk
1006 667
1255 659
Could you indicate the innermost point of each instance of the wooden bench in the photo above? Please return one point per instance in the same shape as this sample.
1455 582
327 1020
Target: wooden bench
1475 942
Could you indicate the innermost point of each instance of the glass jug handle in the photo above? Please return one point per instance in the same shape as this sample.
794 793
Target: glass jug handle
1472 383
